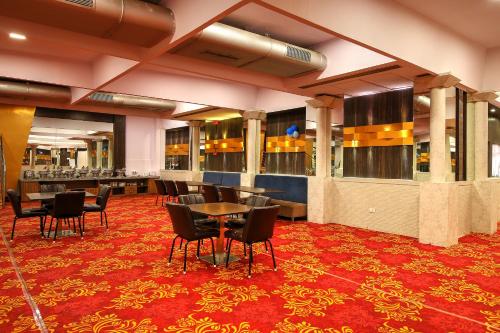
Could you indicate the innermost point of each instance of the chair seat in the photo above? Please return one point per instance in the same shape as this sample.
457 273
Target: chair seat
203 223
203 232
91 208
32 212
235 223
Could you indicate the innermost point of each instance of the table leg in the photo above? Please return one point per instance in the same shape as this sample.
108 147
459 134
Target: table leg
220 253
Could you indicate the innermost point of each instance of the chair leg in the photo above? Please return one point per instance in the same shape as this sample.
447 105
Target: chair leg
105 218
272 254
244 250
172 249
250 260
265 244
213 251
180 246
13 227
43 220
80 227
83 222
185 256
74 226
55 232
50 226
198 250
101 218
156 202
228 252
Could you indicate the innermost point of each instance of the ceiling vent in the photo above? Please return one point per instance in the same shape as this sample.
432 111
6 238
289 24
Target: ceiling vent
61 94
243 49
128 21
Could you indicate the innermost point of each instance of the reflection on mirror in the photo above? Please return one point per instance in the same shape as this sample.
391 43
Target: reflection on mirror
59 146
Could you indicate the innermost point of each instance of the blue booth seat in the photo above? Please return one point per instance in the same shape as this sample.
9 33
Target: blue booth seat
293 199
222 178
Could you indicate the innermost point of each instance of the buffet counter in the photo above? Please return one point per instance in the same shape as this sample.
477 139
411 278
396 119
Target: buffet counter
119 185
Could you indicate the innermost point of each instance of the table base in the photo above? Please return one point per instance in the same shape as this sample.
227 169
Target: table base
220 258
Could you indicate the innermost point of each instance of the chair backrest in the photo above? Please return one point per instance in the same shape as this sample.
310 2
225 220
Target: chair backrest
52 188
210 193
228 194
258 201
15 201
191 199
182 220
171 189
260 224
182 187
103 196
68 204
160 187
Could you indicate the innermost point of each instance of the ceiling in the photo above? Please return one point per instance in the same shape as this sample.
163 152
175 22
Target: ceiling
263 21
477 20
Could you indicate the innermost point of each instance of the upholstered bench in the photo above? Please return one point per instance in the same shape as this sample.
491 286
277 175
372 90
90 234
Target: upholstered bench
293 199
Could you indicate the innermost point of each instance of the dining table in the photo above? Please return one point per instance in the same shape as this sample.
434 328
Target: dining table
37 196
219 210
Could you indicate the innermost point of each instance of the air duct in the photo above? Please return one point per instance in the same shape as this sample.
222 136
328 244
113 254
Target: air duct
129 21
239 48
51 93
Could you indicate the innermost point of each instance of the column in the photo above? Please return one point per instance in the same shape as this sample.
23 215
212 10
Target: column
470 140
322 106
111 164
438 219
437 134
89 153
320 187
194 140
98 154
484 197
33 156
253 142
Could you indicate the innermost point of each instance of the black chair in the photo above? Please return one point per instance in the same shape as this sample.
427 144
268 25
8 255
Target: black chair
210 193
172 193
229 194
44 188
161 190
67 205
20 213
199 219
183 188
185 229
101 202
258 228
254 201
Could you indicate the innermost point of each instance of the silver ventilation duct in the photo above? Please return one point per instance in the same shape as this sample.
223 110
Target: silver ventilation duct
129 21
239 48
51 93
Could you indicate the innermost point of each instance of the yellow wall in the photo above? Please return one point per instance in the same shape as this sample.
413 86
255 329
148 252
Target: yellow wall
15 126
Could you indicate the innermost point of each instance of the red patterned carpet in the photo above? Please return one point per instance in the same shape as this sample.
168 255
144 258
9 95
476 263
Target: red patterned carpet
331 278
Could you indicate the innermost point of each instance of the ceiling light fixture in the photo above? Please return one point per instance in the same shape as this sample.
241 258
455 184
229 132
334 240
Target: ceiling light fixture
15 35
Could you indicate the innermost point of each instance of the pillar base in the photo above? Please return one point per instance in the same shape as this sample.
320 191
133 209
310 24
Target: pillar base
317 199
438 219
485 206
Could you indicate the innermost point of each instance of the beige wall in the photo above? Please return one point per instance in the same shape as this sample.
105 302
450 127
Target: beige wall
395 204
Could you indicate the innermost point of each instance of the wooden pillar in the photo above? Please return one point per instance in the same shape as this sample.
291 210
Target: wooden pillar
194 147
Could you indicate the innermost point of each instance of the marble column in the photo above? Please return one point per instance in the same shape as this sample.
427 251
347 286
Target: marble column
438 167
98 154
470 145
253 153
194 149
481 140
319 186
485 192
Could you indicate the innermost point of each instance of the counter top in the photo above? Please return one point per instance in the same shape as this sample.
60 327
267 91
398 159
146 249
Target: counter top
87 179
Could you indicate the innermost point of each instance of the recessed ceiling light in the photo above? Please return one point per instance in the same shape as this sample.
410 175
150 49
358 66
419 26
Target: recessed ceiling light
492 110
15 35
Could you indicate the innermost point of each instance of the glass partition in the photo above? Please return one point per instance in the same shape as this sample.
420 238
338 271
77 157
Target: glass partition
493 141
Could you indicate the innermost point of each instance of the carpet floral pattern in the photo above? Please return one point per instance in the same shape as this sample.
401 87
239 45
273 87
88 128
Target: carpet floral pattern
331 278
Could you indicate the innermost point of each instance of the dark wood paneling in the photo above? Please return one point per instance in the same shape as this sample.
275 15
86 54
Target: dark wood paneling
74 115
231 162
277 124
176 136
391 162
119 125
